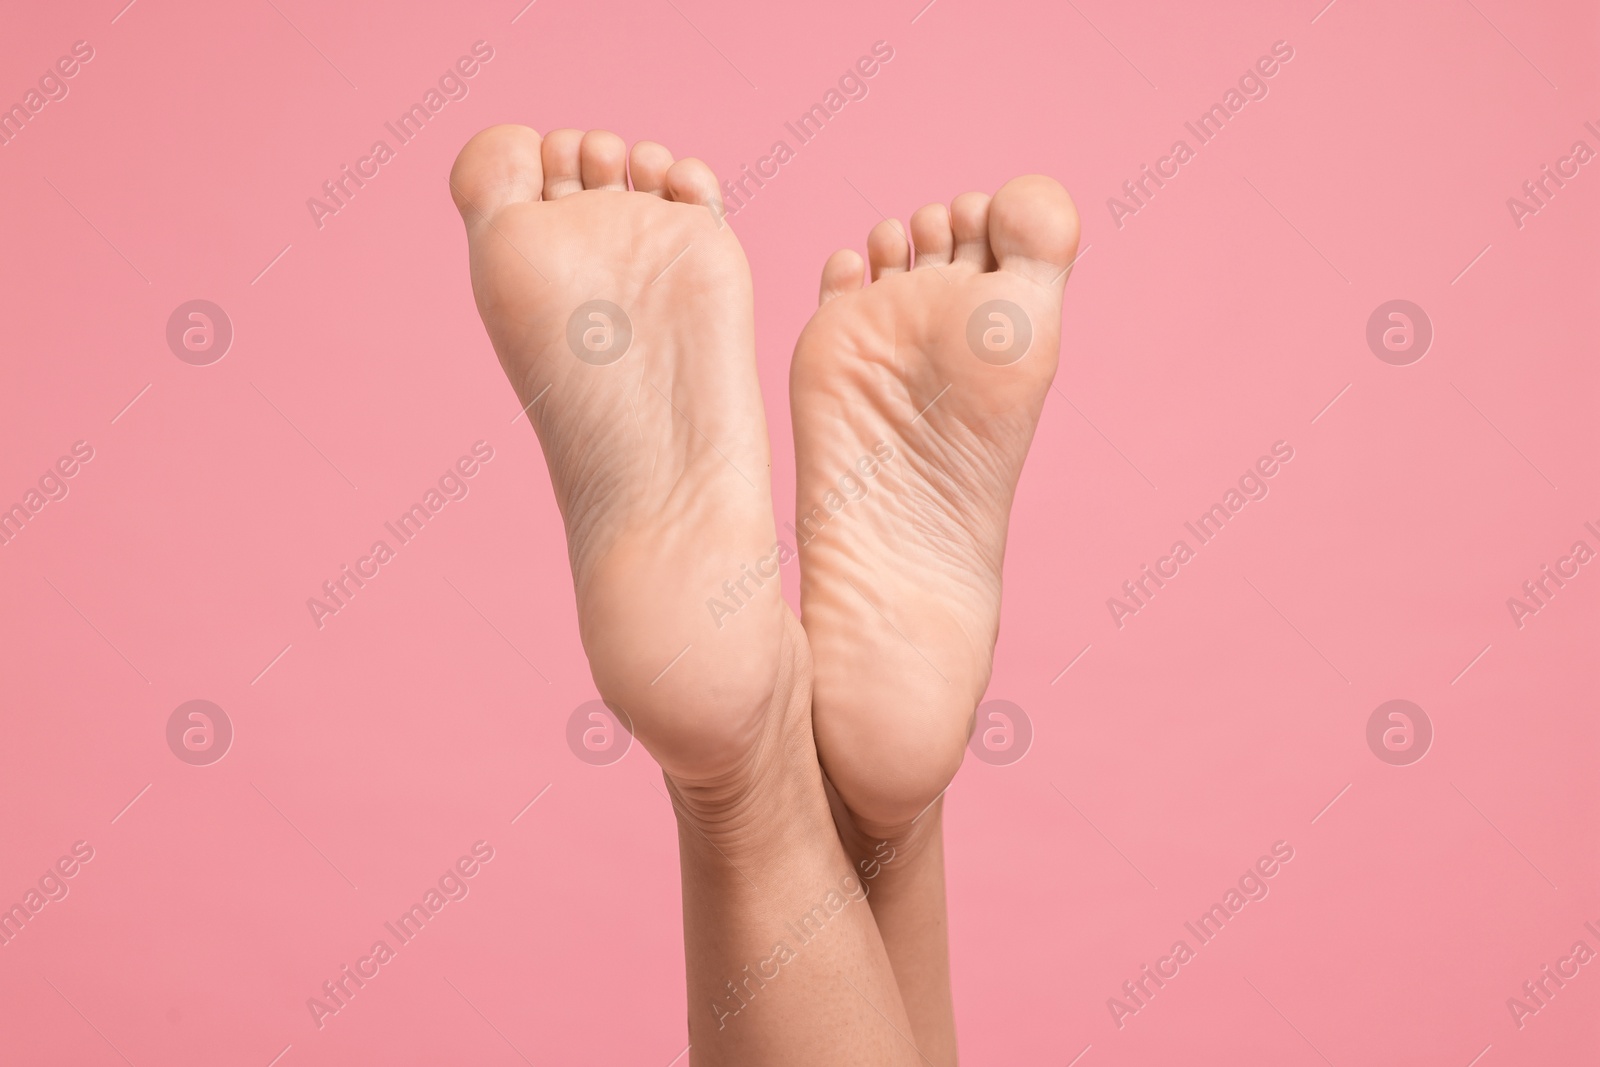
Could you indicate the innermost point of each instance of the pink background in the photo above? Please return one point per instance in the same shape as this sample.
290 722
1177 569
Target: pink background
1223 317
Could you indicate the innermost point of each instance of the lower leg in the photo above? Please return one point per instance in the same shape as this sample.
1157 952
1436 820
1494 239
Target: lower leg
623 319
904 870
784 960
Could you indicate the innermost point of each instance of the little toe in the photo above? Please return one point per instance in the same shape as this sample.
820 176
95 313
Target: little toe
1033 228
931 236
647 167
603 160
841 274
887 249
969 223
562 176
499 166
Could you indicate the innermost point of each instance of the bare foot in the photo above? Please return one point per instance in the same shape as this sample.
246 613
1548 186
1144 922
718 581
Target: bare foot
623 320
918 395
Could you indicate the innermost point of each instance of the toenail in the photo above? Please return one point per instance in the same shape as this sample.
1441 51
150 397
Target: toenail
999 332
599 332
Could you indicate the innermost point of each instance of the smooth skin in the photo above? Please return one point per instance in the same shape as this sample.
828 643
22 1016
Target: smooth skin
659 462
900 593
659 459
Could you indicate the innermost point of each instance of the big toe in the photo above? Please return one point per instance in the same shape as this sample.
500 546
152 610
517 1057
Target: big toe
499 166
1033 228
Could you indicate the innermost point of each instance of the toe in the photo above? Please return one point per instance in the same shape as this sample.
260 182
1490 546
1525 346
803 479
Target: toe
497 167
690 181
647 167
1033 228
887 249
969 224
560 155
603 160
930 235
841 274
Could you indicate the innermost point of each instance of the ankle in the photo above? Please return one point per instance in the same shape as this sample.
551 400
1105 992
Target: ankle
877 848
774 795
